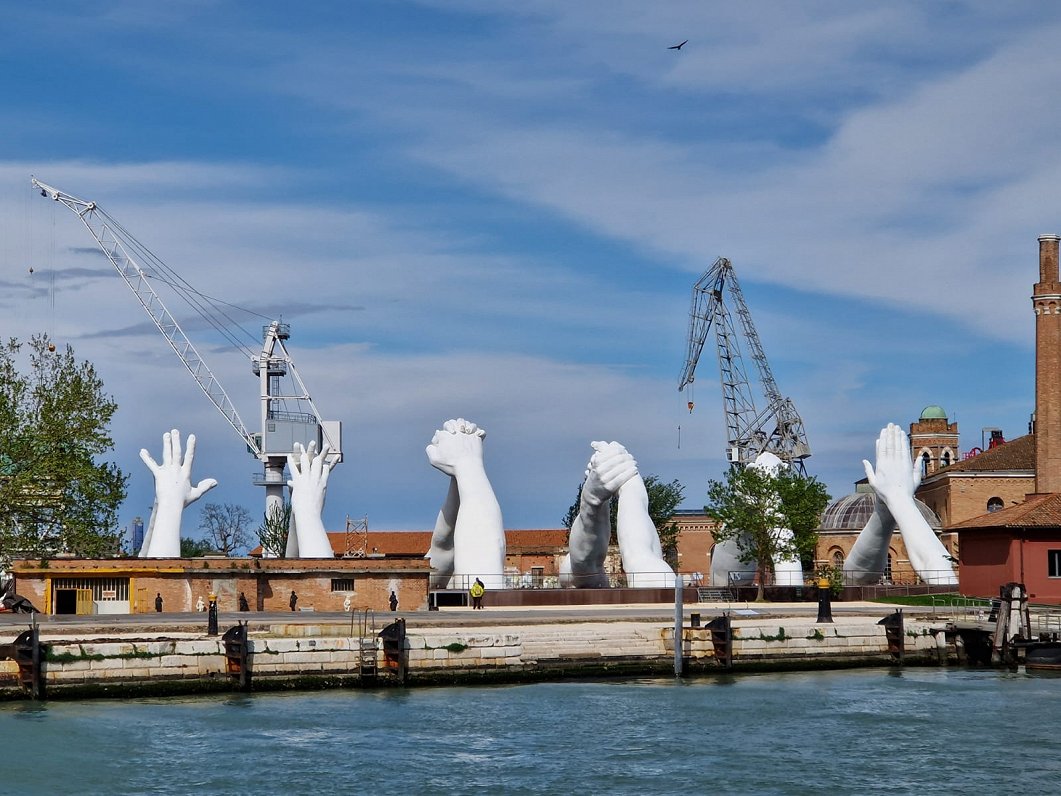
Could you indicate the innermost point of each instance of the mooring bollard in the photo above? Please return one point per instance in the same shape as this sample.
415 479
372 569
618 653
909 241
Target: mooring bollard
825 605
211 616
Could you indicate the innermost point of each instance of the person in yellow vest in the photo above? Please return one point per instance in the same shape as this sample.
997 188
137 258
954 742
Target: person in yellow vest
477 591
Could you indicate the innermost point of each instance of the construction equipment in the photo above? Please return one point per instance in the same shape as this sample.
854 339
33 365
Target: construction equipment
287 412
778 428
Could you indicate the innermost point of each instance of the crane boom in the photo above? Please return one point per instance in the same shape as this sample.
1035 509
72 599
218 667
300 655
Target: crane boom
747 428
115 243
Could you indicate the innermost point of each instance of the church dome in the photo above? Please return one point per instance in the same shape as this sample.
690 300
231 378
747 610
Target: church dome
933 412
852 512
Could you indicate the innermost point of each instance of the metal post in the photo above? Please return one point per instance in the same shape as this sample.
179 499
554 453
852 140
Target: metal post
211 616
679 642
825 605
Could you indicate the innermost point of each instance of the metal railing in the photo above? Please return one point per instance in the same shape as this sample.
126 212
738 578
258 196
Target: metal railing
533 580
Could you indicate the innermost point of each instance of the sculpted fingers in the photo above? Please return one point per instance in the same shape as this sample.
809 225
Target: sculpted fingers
870 475
152 465
200 489
189 454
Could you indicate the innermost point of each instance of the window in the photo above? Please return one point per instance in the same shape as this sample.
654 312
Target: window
1053 563
925 459
887 576
994 504
342 584
103 589
946 459
838 559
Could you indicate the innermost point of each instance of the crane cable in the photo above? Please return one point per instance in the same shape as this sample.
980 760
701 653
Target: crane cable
205 306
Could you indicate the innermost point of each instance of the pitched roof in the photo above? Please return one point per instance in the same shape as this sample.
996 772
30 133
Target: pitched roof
1015 455
1038 511
416 543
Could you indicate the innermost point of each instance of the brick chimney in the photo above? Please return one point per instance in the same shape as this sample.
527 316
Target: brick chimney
1046 299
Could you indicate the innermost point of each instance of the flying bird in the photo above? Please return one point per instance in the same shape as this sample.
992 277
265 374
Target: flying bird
678 46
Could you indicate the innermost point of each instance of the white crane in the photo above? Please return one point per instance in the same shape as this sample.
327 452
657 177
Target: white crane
778 428
287 416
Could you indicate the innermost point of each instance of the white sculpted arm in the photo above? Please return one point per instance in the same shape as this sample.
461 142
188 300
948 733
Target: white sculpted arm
173 491
639 540
894 482
868 558
309 485
609 468
478 529
441 552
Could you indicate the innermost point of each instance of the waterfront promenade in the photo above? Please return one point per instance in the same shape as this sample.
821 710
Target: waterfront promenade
174 653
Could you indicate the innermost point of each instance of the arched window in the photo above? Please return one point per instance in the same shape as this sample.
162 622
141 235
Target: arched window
838 559
995 504
925 459
945 459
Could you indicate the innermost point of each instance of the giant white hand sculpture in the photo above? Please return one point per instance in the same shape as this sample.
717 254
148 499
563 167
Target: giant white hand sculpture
894 482
478 536
309 483
639 543
173 491
609 468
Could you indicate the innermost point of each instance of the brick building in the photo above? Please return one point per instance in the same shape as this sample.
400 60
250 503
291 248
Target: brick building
130 585
1021 542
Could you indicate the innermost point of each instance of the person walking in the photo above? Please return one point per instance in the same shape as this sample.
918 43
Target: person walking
294 600
158 602
477 591
394 601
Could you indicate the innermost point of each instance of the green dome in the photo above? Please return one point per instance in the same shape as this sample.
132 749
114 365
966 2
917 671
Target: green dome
933 412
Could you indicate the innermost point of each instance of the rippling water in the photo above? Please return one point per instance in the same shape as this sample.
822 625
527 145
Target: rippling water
851 732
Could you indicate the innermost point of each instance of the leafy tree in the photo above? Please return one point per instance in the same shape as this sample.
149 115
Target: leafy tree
196 548
753 508
663 499
272 533
55 495
225 526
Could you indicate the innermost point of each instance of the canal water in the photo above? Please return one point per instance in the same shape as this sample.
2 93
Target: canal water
884 731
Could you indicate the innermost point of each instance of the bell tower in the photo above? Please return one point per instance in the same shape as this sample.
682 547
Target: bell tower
1046 300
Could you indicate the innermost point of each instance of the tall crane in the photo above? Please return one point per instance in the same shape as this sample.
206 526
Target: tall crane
778 428
287 412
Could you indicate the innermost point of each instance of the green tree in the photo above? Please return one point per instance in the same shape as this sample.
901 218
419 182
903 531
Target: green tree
272 533
225 526
196 548
663 499
753 509
55 494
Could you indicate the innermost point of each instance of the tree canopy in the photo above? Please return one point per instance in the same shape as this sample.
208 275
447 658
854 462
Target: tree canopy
754 508
225 526
55 493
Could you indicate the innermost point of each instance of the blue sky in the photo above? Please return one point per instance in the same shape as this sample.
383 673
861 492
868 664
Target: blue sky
497 210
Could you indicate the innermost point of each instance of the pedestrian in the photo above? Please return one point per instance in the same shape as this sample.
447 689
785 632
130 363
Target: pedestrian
477 591
394 601
243 604
199 604
294 600
158 602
